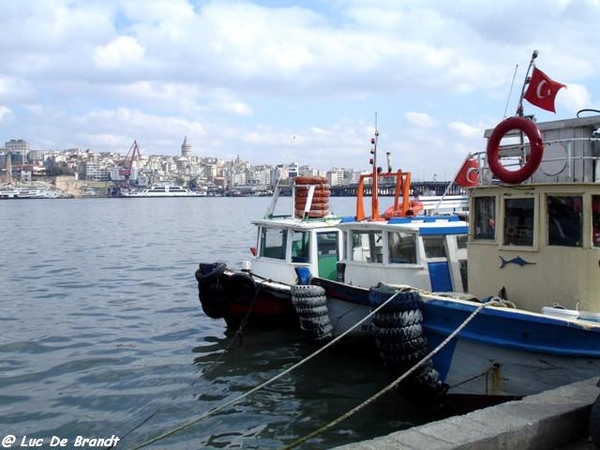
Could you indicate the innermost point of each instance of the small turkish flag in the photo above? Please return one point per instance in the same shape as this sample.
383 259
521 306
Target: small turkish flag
542 90
468 173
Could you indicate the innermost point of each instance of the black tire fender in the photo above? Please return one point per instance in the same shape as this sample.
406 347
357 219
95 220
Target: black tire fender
241 288
209 272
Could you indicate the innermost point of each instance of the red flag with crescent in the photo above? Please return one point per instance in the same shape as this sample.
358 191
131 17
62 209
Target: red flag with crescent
542 90
468 173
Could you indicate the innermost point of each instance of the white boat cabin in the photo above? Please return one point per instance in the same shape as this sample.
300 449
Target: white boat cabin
308 237
285 244
404 245
538 242
426 252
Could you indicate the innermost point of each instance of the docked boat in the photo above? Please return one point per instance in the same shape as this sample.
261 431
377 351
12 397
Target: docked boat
311 243
531 318
15 192
162 191
426 251
260 292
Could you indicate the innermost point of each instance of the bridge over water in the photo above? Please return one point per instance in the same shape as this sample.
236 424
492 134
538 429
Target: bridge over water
349 190
417 187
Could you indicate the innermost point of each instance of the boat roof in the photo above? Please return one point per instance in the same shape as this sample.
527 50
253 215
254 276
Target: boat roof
424 225
298 224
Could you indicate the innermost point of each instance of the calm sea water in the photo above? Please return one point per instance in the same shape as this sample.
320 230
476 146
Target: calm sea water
101 330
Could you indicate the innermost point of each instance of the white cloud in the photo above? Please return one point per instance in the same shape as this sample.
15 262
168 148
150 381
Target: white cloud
419 119
122 52
242 77
574 97
465 130
5 113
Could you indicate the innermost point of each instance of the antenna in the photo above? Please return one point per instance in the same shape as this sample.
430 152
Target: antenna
375 181
512 83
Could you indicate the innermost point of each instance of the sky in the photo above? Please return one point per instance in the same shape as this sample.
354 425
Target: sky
288 81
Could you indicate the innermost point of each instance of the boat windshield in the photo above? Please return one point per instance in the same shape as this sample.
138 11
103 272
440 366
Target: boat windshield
272 242
402 248
300 246
434 246
367 246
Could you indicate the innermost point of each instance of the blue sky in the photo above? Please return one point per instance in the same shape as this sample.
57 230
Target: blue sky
288 81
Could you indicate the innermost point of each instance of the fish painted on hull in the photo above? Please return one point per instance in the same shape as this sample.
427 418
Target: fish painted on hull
516 260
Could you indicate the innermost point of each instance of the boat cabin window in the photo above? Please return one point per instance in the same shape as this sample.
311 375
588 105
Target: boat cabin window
402 248
434 246
564 220
596 220
484 217
273 242
327 243
300 246
518 221
367 246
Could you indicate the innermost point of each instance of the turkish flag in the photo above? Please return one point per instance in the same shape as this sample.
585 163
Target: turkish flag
542 90
468 173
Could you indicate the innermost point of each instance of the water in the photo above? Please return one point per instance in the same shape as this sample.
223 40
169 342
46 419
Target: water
101 329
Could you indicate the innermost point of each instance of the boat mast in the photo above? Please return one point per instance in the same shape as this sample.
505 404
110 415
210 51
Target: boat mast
375 184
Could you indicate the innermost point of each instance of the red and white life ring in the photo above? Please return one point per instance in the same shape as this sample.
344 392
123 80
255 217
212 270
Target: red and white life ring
536 146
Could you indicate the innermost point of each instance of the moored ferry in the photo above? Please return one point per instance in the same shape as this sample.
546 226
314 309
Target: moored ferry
163 191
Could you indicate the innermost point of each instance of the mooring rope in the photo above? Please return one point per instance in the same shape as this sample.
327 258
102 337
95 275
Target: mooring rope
389 386
237 335
266 383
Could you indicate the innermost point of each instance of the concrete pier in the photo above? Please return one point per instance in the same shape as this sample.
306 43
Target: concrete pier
550 420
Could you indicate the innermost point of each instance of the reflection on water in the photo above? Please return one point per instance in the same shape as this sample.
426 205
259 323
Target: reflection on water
297 403
102 331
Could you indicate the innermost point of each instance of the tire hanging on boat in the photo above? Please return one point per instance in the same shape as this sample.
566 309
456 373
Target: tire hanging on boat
209 272
211 291
401 342
241 288
213 300
310 304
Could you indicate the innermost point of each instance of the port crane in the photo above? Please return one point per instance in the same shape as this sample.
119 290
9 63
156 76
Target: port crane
130 157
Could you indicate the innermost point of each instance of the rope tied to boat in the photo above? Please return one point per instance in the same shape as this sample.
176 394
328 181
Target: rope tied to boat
398 380
237 337
238 333
216 409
